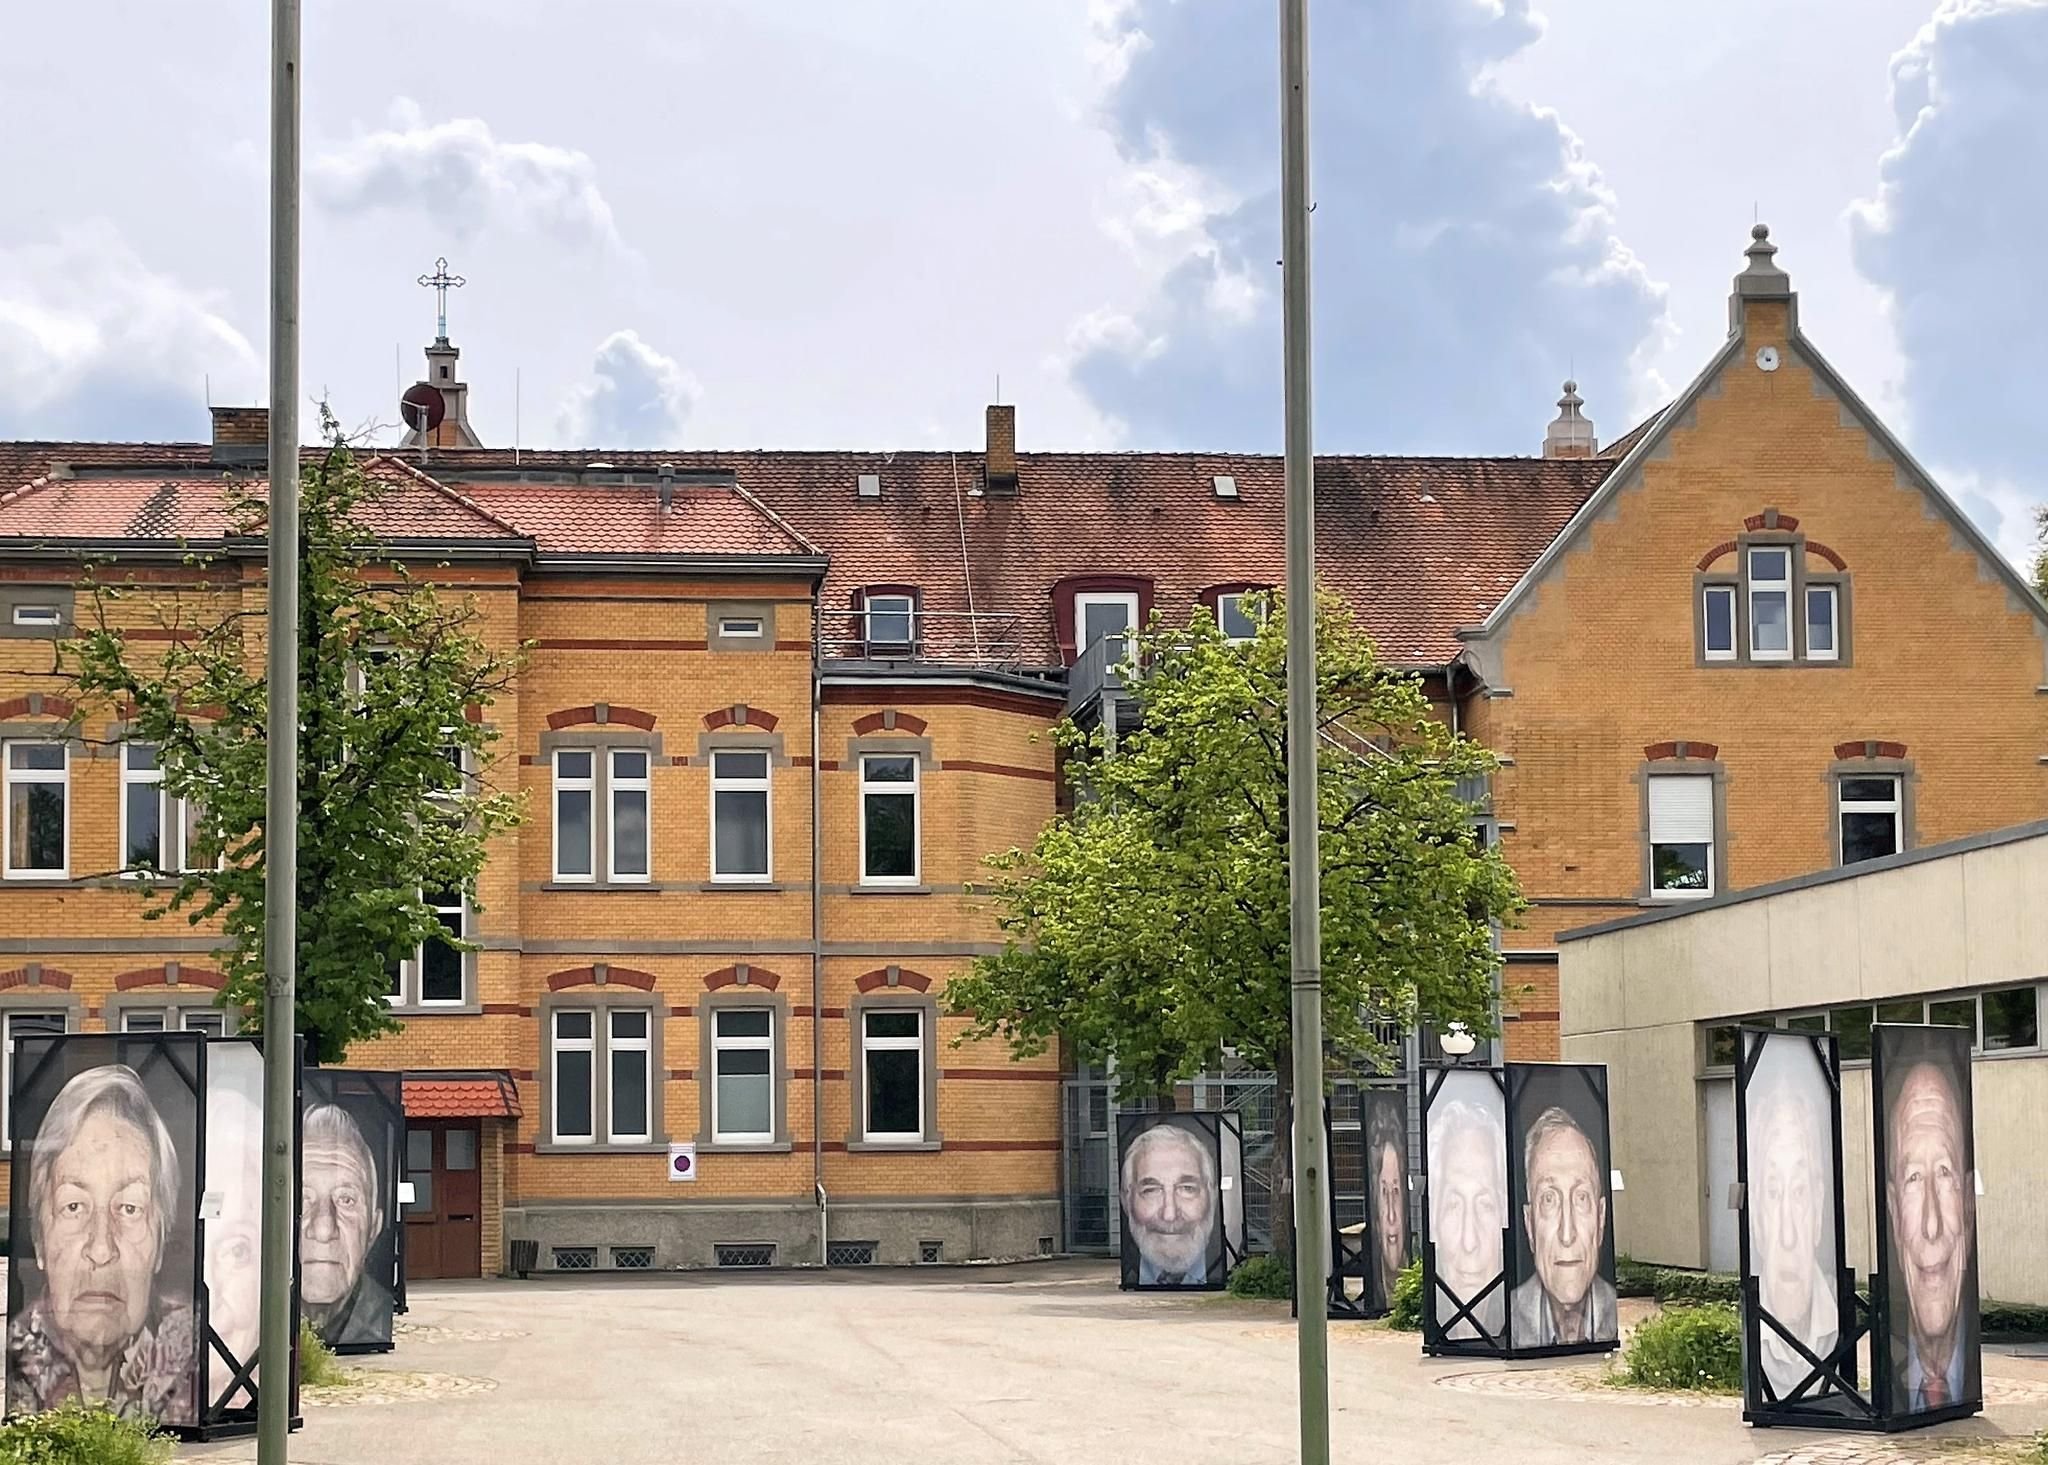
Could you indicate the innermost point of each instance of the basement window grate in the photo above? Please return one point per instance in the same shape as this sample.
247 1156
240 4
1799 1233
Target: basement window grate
575 1258
1045 1246
929 1252
745 1254
633 1258
851 1254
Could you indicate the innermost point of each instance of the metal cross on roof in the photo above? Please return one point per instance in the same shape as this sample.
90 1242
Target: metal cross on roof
441 282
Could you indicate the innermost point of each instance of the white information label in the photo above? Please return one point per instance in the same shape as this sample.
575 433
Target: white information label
682 1162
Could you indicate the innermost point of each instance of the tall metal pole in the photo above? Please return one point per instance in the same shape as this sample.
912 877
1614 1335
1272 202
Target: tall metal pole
281 795
1311 1193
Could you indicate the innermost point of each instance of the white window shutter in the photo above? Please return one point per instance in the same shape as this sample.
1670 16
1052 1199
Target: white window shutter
1682 809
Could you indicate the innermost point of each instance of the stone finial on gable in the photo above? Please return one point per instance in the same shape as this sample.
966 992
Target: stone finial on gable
1571 431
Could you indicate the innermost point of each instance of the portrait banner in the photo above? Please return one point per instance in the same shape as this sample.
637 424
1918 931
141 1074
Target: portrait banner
1564 1300
1384 1120
103 1288
1799 1318
231 1224
1925 1293
1171 1172
1465 1211
350 1222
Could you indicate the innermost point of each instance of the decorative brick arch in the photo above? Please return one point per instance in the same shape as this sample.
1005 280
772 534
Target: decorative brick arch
889 720
739 715
1868 748
37 704
35 975
742 975
1681 748
1814 546
601 714
1772 520
160 976
903 981
1706 561
598 974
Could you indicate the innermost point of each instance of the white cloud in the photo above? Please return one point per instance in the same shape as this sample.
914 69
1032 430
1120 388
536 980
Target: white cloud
465 179
1465 252
1953 239
635 397
95 344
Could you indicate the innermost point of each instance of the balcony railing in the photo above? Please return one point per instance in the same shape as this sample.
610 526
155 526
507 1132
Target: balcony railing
1097 671
982 639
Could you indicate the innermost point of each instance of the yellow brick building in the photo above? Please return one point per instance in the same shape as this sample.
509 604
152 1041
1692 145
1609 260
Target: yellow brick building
781 706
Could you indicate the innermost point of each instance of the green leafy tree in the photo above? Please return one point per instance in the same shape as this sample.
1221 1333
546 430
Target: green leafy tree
1148 927
2041 556
395 799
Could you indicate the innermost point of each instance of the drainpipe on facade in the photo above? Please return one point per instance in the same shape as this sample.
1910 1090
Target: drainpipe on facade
818 934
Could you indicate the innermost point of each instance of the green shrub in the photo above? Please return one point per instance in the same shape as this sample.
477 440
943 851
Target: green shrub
1263 1276
81 1435
1633 1278
1687 1348
317 1365
1404 1307
1676 1286
2014 1320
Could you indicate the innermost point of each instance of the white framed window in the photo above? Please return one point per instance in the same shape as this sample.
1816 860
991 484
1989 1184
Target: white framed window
629 1093
438 966
178 1018
741 838
1823 623
627 842
38 788
1871 821
1239 615
20 1024
743 1075
891 620
38 615
1105 615
892 1074
890 820
575 814
1770 602
1681 835
156 829
572 1094
741 626
1717 622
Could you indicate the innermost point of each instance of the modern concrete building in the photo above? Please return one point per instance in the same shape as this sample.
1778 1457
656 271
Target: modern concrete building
1953 934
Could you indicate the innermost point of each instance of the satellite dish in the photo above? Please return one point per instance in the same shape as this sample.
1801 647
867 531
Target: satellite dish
423 407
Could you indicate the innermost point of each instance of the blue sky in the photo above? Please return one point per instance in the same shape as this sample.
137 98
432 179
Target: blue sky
841 222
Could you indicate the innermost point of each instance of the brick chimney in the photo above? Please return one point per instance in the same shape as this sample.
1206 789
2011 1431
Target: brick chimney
1571 433
1002 451
241 434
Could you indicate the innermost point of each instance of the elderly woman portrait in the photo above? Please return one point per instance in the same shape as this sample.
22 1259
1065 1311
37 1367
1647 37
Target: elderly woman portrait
1468 1203
340 1220
1791 1179
1386 1189
101 1323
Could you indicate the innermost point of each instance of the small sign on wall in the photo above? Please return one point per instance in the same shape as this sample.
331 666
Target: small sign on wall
682 1161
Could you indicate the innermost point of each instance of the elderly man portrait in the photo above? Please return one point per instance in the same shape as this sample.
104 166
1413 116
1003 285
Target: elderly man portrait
1790 1197
342 1214
1564 1217
1170 1203
101 1323
1931 1204
1386 1186
1468 1207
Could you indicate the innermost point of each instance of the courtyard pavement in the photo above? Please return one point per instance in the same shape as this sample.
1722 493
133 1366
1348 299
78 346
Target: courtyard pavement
1023 1365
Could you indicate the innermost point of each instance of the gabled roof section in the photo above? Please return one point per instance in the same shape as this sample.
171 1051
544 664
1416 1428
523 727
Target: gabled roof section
700 521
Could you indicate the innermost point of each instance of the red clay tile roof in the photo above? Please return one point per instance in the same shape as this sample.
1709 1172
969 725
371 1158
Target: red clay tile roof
1619 448
586 519
1421 546
467 1095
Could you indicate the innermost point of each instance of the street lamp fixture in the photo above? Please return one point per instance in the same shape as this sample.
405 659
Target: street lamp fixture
1458 1042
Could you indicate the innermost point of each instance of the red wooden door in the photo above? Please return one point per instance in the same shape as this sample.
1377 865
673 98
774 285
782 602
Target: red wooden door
444 1222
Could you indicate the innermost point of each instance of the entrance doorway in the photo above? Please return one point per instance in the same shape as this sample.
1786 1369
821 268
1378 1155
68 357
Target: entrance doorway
444 1221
